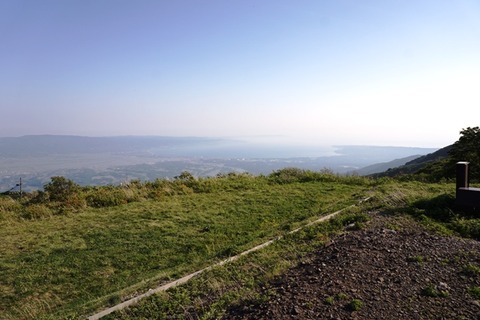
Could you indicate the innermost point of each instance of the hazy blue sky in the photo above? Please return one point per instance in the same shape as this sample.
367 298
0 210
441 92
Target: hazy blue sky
347 71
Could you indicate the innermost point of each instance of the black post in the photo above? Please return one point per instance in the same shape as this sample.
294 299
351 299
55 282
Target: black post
462 175
462 180
465 195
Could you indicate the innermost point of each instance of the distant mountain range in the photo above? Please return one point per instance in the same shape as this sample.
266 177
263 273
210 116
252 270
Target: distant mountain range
112 160
56 144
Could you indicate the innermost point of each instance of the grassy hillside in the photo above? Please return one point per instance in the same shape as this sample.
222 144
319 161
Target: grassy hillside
384 166
69 252
419 163
246 281
440 165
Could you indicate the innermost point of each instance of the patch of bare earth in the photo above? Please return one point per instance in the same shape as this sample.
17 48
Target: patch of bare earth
392 269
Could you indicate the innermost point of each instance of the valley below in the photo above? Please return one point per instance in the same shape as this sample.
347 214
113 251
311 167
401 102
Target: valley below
116 160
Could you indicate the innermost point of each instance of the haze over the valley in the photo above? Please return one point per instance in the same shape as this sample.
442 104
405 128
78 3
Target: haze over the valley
116 160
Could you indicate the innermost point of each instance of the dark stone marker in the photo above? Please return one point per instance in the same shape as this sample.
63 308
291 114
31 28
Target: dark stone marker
466 196
462 175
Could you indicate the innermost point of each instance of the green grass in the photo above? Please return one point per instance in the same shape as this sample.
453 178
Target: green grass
355 305
474 292
74 262
239 282
330 301
342 296
432 292
418 259
471 270
210 294
61 260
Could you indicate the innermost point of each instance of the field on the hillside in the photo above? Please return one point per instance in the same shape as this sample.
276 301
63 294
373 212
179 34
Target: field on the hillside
69 256
75 259
247 282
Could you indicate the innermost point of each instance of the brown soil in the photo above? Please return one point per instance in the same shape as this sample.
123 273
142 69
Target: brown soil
392 269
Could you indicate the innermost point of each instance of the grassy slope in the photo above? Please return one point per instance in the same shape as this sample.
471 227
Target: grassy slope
207 296
67 265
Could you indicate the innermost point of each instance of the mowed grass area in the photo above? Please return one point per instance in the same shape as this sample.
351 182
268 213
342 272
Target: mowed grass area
208 295
69 264
243 282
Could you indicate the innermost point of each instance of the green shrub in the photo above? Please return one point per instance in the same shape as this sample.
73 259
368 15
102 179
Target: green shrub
355 305
39 197
433 292
468 228
293 175
474 292
330 301
418 259
159 188
287 175
183 189
186 179
75 201
471 270
9 208
342 296
8 204
36 211
106 197
60 188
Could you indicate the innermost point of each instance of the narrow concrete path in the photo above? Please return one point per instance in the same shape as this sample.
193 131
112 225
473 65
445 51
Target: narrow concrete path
186 278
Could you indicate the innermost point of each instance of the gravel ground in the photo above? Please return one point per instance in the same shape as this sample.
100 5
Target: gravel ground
391 269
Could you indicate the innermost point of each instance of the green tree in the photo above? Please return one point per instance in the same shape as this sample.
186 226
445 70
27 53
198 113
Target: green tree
467 148
185 176
60 188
